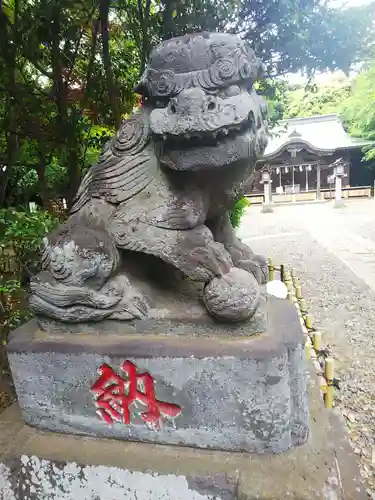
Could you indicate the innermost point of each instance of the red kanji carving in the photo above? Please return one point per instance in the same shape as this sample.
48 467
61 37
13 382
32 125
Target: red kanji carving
114 395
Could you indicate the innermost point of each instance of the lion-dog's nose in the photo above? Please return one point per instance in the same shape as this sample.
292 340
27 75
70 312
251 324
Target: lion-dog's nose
192 102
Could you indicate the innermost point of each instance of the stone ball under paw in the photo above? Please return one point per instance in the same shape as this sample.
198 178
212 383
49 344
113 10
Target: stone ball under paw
235 296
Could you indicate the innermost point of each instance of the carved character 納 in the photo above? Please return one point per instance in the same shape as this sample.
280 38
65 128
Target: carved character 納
114 395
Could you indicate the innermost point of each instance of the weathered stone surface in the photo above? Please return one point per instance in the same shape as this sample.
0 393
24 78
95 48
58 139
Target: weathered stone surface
32 478
172 314
31 459
235 392
164 187
232 296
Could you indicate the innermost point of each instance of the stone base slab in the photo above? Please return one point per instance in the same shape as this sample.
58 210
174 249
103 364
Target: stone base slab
39 465
224 392
267 209
338 203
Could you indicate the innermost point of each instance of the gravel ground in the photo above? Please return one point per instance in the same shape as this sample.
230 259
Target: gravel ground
342 304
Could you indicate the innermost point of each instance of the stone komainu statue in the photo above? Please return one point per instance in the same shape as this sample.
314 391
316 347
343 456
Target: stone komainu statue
162 191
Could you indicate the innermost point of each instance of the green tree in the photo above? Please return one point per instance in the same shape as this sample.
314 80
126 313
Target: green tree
316 100
64 84
359 109
288 35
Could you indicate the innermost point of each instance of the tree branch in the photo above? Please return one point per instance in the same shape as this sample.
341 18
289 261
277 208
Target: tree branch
112 91
36 64
94 42
44 94
78 43
144 17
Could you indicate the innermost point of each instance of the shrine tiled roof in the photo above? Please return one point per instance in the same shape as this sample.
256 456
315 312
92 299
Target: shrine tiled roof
320 134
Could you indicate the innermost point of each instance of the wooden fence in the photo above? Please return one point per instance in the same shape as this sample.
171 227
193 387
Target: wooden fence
319 355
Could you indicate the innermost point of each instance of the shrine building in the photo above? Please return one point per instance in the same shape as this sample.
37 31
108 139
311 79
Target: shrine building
300 154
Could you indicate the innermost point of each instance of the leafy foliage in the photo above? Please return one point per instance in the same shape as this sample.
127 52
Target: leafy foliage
21 234
31 226
305 35
15 319
359 109
316 100
238 211
288 35
12 306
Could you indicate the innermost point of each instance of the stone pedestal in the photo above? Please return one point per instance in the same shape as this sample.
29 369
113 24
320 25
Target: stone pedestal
41 465
226 388
267 205
339 202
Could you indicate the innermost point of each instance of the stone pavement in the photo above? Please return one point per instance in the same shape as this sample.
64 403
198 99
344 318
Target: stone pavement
333 251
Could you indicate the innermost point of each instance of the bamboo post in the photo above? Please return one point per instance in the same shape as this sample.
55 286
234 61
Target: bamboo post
328 373
314 345
298 291
271 270
303 306
297 304
317 339
282 272
308 321
287 280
